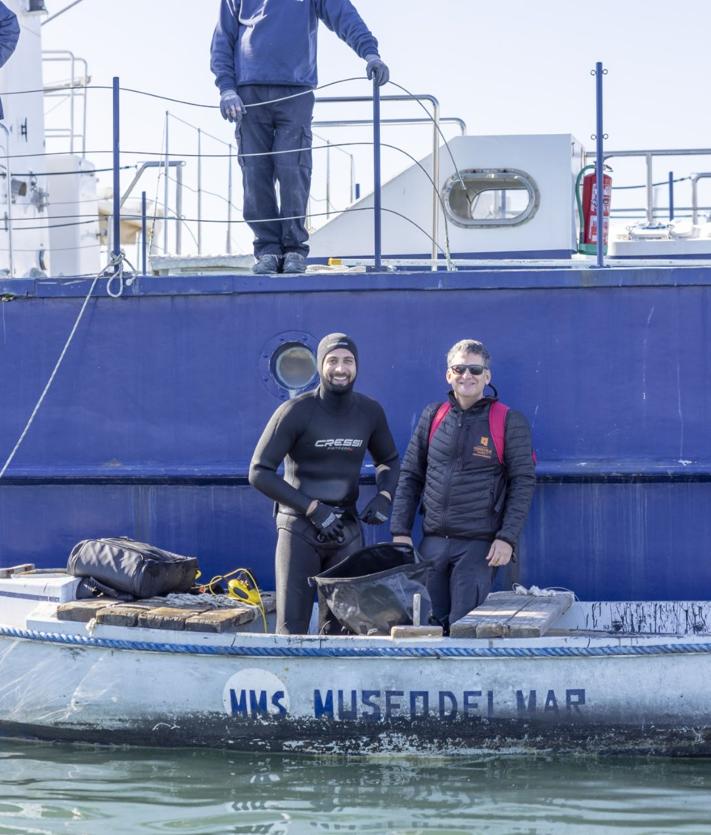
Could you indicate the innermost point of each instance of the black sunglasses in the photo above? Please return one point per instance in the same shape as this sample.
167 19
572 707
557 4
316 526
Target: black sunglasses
474 370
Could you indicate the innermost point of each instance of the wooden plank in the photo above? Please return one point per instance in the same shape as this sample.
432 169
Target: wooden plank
538 618
399 632
167 617
491 617
16 569
269 601
82 611
510 615
221 620
121 614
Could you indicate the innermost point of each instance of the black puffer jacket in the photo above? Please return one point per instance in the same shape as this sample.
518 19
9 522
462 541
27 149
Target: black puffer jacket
464 490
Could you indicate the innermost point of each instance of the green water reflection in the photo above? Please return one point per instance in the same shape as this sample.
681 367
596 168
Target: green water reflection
53 789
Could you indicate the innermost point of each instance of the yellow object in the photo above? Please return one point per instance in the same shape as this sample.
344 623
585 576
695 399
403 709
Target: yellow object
335 262
243 588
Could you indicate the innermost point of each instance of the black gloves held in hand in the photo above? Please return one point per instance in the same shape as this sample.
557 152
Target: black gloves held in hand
376 511
327 522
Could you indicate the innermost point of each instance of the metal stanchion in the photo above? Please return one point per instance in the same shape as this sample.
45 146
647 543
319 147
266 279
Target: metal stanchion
377 196
144 234
116 251
600 137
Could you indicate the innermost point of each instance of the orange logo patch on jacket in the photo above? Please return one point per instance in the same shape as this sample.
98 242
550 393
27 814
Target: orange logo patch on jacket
482 449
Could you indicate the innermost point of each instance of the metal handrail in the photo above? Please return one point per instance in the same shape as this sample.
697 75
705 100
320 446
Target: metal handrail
435 148
444 120
200 133
343 123
70 90
649 155
701 175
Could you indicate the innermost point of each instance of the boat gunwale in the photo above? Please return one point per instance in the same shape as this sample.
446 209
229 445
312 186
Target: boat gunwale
568 276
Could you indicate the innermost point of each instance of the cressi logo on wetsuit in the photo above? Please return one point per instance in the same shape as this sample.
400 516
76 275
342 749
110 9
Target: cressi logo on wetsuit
339 443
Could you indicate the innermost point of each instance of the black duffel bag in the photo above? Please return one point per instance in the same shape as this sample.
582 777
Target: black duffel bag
372 590
132 567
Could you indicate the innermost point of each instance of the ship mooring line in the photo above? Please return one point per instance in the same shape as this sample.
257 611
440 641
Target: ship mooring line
116 263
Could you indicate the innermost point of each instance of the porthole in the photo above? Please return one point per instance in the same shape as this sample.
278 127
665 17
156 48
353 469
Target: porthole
287 364
294 366
490 197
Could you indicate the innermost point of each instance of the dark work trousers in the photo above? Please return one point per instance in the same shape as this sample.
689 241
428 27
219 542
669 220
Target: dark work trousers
459 578
283 126
299 555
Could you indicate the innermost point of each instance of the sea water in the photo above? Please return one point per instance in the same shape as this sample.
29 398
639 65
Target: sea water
87 790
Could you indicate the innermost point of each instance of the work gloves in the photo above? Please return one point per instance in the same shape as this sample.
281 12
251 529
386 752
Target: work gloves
327 522
376 511
232 107
377 70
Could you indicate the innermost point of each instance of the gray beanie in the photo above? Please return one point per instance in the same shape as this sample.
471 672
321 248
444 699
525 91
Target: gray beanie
332 342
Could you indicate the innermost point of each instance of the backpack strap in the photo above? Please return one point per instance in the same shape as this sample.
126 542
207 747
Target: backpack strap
497 427
440 415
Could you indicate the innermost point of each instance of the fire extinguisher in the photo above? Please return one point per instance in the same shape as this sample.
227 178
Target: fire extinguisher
587 208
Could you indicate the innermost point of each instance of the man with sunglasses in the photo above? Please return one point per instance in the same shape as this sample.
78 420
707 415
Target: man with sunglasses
474 505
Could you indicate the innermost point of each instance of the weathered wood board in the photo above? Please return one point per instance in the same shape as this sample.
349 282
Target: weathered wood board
82 611
401 632
25 568
505 614
221 620
167 617
154 613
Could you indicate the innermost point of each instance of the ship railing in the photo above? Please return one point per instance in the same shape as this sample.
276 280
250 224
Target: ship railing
435 119
74 89
649 156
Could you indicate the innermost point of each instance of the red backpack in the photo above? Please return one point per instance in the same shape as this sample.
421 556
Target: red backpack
497 425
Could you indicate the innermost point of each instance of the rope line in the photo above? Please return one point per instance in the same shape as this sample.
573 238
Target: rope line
357 652
117 263
244 222
202 105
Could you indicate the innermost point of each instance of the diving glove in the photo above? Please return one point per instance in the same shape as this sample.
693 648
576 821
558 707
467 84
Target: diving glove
376 511
327 522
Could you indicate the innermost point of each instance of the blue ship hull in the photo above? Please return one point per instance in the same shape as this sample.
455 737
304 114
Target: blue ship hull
152 420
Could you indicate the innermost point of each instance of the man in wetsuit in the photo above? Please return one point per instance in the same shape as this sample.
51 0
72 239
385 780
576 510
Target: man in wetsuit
322 436
263 56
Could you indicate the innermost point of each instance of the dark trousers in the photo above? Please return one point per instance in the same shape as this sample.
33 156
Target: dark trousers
299 555
276 127
459 578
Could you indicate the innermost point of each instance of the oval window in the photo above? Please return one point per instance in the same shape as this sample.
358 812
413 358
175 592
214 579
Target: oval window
479 197
294 366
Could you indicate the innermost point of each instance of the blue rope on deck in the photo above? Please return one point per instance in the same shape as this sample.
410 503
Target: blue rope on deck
353 652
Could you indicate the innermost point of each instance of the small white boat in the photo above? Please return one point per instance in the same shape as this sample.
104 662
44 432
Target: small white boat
611 678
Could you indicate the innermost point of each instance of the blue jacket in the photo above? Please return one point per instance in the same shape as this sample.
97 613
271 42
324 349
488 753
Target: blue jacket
9 35
274 41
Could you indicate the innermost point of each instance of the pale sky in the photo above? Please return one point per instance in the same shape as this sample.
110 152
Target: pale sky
512 66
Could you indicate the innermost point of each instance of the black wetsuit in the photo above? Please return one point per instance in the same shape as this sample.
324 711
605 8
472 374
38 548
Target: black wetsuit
322 437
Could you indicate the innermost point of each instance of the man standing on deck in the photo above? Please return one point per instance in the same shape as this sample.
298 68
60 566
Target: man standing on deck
9 36
322 436
470 466
264 60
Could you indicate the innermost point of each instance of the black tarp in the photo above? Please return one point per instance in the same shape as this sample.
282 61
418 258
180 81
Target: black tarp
372 590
